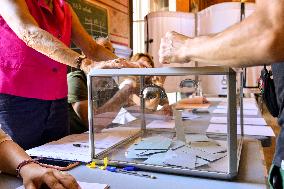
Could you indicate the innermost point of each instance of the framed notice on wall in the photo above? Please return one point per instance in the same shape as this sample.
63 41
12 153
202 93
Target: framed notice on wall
93 17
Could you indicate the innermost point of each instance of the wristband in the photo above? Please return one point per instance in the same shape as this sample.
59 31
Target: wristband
22 164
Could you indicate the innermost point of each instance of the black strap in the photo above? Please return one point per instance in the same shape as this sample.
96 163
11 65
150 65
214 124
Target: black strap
243 11
147 41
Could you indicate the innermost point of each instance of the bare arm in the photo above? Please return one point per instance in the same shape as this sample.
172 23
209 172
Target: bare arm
257 40
19 19
8 164
33 174
112 105
87 44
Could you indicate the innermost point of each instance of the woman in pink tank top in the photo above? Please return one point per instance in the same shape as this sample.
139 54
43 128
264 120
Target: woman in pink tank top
34 51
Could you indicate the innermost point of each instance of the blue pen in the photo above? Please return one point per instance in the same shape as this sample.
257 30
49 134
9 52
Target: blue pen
130 172
131 168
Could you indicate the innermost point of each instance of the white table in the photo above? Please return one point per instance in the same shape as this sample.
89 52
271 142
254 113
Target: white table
251 176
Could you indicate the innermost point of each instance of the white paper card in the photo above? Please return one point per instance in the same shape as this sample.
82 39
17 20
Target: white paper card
65 149
153 143
196 138
85 185
123 117
247 121
246 112
161 124
248 130
189 115
246 106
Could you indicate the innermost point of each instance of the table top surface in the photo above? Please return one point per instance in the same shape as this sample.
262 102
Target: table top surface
251 176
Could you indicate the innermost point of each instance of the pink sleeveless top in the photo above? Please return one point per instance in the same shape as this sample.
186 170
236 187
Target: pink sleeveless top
27 73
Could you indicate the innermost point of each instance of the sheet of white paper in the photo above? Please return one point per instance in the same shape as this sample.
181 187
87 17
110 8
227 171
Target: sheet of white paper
246 105
134 154
176 144
123 117
64 148
85 185
223 100
151 152
161 124
247 121
201 153
246 112
156 159
180 158
248 130
189 115
153 143
196 138
200 162
209 147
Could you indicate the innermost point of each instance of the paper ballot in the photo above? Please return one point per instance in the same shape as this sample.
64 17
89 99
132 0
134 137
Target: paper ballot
161 124
248 130
246 112
85 185
246 105
123 117
65 149
247 121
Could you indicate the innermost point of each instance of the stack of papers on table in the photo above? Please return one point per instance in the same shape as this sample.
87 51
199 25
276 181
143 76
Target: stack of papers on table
250 107
225 111
198 150
247 121
148 146
65 149
85 185
248 130
246 105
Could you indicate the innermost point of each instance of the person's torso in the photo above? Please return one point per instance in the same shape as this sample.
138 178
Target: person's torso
278 78
24 71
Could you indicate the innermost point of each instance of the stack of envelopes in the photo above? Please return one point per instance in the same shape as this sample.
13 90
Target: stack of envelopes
149 146
198 150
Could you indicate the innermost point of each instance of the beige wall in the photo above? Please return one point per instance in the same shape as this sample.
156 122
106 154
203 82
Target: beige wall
186 5
118 11
202 4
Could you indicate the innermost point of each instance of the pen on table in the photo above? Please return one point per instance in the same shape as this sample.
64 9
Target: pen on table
84 146
81 145
130 172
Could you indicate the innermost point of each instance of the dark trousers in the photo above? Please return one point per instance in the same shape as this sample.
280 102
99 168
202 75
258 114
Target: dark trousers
33 122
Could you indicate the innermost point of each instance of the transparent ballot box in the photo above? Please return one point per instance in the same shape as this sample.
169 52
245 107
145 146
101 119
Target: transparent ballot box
138 117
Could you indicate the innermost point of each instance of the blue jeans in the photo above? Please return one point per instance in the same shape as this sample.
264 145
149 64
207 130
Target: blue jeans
33 122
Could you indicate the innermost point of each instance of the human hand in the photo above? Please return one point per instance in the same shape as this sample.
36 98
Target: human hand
88 64
131 85
35 177
173 48
167 110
